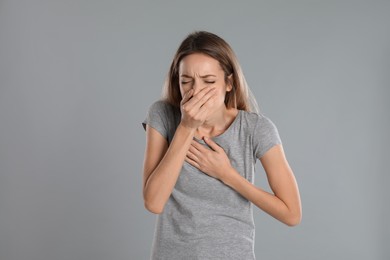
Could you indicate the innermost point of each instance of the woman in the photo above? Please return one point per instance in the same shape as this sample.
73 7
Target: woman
203 140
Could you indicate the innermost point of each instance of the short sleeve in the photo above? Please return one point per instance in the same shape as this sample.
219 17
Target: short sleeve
265 136
156 117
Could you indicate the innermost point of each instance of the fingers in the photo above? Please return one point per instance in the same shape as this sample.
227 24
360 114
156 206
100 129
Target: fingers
192 162
197 146
195 108
192 156
200 98
200 106
204 109
196 149
212 144
206 97
187 96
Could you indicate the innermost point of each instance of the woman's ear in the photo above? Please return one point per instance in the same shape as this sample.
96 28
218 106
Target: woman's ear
229 83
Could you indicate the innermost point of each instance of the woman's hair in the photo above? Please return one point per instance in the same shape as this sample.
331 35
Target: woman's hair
239 97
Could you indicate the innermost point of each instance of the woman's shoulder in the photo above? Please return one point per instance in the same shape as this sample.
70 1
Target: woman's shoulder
253 120
163 107
164 110
160 104
162 116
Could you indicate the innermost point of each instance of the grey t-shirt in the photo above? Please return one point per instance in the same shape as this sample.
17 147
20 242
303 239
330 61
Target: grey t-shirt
204 218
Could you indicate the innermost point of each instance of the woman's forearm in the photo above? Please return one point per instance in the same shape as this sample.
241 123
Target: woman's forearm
162 180
266 201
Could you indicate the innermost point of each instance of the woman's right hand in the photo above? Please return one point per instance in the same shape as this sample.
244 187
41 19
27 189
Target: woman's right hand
196 108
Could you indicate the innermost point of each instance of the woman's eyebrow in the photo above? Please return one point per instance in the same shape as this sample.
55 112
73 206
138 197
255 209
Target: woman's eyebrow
208 75
205 76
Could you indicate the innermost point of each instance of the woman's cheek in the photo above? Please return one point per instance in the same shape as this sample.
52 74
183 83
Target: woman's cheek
220 98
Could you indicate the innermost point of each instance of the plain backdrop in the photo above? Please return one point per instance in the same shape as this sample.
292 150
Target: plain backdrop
77 78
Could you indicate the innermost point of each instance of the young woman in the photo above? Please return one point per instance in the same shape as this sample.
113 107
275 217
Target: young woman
203 139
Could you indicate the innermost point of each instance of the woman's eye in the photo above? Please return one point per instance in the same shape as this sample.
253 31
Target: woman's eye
210 82
185 82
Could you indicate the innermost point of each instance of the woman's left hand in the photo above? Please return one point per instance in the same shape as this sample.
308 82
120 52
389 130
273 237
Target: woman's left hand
214 162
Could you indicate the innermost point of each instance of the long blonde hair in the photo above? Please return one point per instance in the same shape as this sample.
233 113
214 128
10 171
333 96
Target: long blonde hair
210 44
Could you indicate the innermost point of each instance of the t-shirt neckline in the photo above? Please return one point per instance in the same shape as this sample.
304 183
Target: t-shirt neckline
226 131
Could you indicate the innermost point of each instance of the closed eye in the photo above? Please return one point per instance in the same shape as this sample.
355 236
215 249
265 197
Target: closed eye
210 82
185 82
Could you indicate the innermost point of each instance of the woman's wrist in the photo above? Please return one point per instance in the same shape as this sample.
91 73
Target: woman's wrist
230 176
186 128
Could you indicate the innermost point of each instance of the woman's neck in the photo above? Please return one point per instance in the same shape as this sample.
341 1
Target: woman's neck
217 123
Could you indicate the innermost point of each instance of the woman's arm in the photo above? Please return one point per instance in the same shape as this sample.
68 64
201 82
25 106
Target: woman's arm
162 163
284 204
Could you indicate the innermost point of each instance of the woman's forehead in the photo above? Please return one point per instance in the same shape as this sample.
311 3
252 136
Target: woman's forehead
200 65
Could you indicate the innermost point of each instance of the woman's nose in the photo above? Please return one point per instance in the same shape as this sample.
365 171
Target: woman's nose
197 86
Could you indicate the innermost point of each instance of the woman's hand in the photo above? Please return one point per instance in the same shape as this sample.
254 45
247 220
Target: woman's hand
214 162
195 108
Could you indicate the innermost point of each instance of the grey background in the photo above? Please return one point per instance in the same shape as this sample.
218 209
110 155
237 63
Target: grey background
77 77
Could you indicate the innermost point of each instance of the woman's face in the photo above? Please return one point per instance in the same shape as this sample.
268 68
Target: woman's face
197 71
